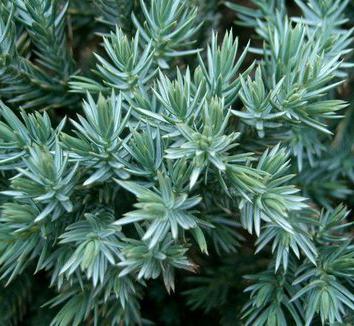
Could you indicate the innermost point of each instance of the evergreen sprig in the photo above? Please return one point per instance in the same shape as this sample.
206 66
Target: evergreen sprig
42 83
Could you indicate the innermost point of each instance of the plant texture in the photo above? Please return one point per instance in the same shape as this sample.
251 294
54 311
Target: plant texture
156 167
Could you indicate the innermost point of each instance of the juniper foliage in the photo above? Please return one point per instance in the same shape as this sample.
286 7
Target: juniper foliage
176 155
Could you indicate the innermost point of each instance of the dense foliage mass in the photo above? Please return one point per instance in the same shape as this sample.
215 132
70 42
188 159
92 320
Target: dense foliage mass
154 167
